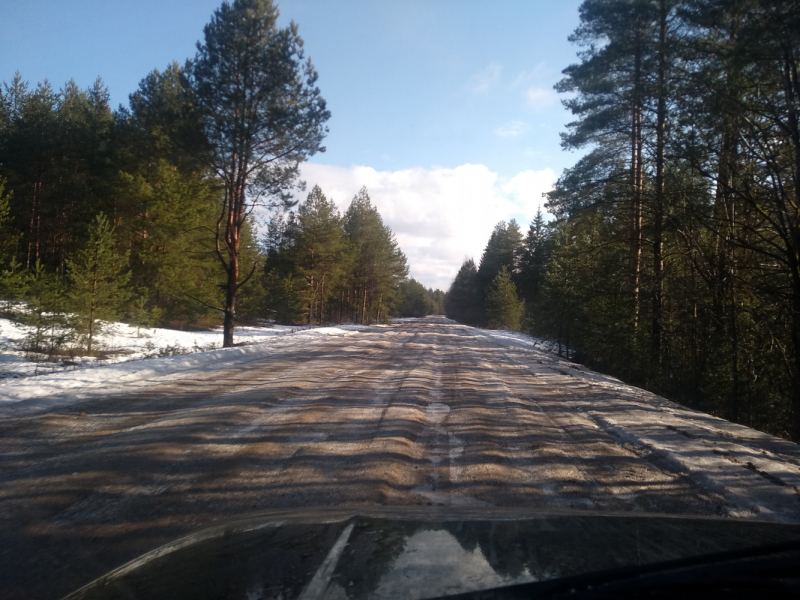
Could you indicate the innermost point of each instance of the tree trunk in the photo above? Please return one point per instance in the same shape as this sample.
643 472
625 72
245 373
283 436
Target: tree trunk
364 306
93 300
321 299
311 301
792 92
230 304
231 287
636 181
659 208
234 219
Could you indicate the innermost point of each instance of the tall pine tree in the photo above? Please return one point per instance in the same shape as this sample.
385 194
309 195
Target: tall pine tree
262 116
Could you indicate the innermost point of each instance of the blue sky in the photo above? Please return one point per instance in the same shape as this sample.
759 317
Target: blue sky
443 109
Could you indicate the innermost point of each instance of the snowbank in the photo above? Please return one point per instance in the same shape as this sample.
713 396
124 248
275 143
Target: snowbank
130 372
120 343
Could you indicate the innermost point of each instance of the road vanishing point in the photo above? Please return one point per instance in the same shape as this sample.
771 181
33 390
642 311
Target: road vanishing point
416 413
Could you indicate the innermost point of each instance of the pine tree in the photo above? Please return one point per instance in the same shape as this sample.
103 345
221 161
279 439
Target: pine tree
612 100
51 332
8 237
162 122
533 260
99 277
413 300
503 307
140 313
463 302
318 251
12 278
437 297
166 216
262 116
503 249
56 153
378 263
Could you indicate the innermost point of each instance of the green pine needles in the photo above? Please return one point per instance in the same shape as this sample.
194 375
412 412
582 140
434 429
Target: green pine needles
99 275
503 307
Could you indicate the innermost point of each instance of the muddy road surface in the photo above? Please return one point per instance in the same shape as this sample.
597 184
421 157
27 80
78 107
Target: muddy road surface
421 413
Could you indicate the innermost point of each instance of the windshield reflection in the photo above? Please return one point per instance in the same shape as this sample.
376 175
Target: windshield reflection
415 558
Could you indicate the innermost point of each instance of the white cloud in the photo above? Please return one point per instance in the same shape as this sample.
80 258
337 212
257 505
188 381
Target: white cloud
527 187
537 73
440 216
512 129
539 97
486 79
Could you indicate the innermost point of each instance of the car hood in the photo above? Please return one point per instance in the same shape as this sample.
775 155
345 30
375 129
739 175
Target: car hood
415 552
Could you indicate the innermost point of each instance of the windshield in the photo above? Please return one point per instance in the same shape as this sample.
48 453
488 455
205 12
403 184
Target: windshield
291 257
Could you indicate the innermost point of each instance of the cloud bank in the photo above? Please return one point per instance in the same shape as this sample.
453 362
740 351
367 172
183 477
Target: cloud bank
440 216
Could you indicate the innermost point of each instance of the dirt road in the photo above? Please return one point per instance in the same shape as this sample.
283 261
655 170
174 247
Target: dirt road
414 413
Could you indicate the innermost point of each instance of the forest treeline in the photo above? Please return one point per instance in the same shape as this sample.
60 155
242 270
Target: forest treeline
147 213
326 267
673 260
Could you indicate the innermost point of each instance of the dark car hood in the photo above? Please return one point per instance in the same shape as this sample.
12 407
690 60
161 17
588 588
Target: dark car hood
415 552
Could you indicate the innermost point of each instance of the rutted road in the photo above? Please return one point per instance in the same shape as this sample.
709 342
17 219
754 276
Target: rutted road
415 413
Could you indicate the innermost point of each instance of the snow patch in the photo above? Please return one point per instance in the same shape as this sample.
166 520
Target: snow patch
67 386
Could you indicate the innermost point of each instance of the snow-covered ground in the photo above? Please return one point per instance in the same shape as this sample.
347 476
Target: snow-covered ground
168 352
121 343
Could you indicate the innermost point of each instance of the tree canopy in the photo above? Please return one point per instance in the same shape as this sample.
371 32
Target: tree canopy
261 114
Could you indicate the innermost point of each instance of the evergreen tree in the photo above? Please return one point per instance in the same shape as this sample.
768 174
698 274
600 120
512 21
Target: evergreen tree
140 314
56 154
533 260
503 307
462 302
437 297
8 237
162 122
99 277
12 278
503 249
51 332
688 189
283 300
378 264
262 116
318 251
166 216
413 300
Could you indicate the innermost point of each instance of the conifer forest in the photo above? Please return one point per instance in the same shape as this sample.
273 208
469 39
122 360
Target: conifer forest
181 209
670 256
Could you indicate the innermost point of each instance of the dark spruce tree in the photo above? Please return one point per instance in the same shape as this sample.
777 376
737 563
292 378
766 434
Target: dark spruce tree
503 306
463 302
